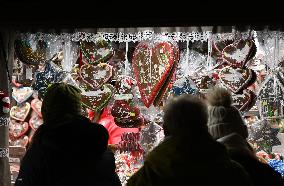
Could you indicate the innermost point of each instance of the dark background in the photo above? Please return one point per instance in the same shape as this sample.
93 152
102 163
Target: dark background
31 14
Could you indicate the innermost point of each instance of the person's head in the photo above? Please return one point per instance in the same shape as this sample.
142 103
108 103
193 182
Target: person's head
60 100
185 115
224 118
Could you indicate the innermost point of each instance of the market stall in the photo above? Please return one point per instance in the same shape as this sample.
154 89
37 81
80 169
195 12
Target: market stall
134 74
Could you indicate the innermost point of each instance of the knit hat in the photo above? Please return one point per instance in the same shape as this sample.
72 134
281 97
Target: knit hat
60 100
224 118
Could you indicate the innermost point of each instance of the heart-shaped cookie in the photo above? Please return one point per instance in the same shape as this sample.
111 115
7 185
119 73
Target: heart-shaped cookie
238 53
96 76
28 55
218 46
245 101
20 112
236 79
95 53
17 129
152 63
125 115
35 121
22 94
97 99
20 142
36 106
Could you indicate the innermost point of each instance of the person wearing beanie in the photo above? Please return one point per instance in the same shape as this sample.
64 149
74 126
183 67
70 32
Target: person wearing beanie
67 149
226 125
188 155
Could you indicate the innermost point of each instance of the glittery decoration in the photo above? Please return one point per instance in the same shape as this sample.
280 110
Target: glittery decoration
96 76
277 165
238 53
4 103
97 52
270 96
184 86
263 136
97 99
4 152
22 94
236 79
20 112
245 101
29 54
17 129
152 63
51 74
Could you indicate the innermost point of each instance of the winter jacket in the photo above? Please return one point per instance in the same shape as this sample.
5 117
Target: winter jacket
240 151
180 161
73 153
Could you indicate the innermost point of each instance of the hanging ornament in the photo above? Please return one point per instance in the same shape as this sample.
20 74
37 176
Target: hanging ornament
31 54
97 99
97 52
17 129
236 79
152 63
4 103
19 142
22 94
36 106
20 112
244 101
263 136
35 121
96 76
125 114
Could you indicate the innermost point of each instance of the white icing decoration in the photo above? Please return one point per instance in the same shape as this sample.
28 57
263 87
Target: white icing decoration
240 54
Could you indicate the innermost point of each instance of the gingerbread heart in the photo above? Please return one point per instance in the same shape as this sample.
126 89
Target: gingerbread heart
22 94
17 129
35 121
152 63
236 79
95 53
125 115
96 76
28 55
218 46
204 83
244 101
97 99
20 142
20 112
36 106
237 54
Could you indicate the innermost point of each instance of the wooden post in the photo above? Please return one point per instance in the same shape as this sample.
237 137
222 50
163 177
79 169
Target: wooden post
6 57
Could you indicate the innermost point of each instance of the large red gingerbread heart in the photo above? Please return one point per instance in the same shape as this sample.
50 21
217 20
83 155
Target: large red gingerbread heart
236 79
126 116
152 65
96 76
245 101
36 106
35 121
239 53
95 53
17 129
96 100
20 112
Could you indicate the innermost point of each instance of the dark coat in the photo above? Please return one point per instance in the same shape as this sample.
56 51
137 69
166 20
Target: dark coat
194 162
240 151
73 153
